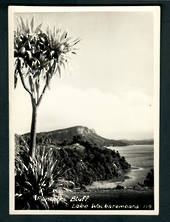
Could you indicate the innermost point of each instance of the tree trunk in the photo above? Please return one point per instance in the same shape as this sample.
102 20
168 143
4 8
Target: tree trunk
33 131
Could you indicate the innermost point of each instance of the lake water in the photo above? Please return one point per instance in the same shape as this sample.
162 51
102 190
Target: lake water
141 159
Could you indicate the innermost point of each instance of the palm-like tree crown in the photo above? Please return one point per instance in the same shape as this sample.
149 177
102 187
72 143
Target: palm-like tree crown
40 54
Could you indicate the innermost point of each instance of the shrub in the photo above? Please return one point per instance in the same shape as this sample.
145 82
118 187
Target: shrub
149 181
119 187
36 185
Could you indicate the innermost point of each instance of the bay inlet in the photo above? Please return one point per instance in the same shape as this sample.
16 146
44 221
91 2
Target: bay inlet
141 159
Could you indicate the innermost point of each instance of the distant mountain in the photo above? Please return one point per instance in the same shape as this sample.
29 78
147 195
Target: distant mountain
82 135
139 142
72 135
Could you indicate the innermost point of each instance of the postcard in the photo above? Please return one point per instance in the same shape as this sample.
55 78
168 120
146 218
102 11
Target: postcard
84 110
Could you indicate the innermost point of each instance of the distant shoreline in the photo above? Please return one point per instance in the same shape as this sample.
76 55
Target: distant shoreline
139 142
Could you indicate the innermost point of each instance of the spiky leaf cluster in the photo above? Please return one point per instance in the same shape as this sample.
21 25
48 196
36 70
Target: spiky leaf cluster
37 186
40 54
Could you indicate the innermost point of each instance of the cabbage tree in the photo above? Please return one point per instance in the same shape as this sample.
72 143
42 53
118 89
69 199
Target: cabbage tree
38 56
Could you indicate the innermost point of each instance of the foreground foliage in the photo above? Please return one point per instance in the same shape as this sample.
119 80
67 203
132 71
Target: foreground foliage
86 162
36 185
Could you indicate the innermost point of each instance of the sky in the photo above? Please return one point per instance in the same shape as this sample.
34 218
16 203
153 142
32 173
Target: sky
108 85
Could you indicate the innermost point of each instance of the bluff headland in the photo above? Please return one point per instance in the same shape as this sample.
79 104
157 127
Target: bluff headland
77 134
81 135
82 155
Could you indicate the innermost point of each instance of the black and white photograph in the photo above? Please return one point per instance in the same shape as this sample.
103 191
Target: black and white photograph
84 110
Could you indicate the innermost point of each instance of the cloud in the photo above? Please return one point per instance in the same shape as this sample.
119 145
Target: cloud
112 115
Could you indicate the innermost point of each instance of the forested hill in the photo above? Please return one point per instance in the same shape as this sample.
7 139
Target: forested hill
85 154
82 156
72 135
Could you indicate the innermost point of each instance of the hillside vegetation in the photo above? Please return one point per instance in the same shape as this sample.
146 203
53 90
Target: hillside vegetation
81 154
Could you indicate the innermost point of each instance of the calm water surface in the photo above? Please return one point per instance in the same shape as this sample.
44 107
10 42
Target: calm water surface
141 159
